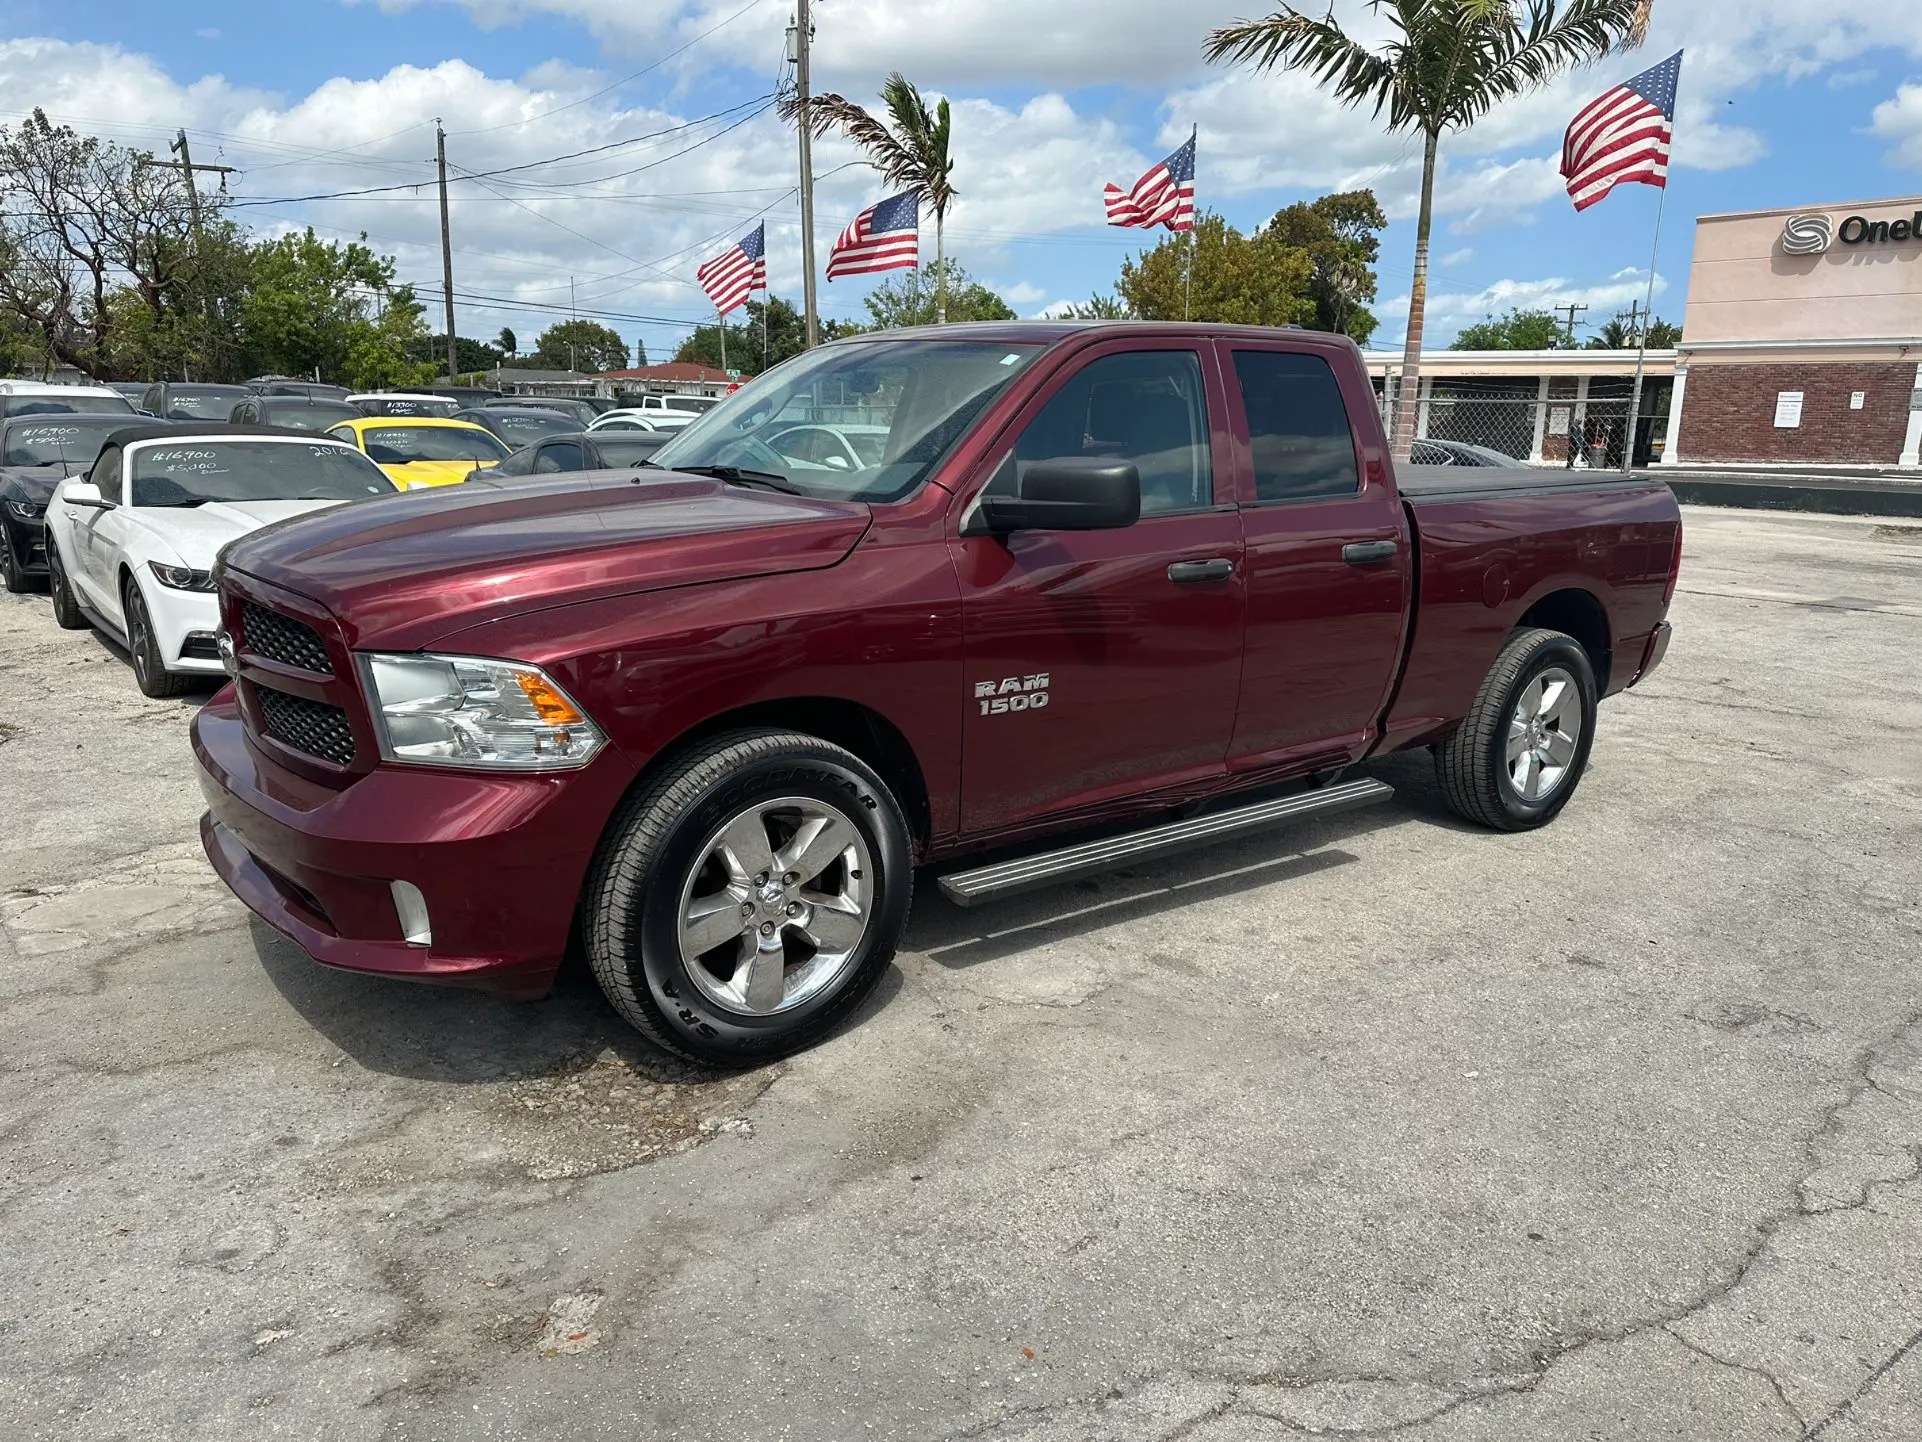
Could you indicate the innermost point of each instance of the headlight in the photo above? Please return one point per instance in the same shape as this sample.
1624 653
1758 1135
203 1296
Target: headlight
25 510
182 578
471 712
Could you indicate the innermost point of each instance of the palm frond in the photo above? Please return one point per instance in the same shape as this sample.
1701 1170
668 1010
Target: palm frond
1555 40
1292 40
829 112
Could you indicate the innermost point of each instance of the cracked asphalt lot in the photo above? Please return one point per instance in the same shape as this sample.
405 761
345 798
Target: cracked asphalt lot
1382 1127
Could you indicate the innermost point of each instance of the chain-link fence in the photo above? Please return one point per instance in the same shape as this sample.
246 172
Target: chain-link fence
1565 428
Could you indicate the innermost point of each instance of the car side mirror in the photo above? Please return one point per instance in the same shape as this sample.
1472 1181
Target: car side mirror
1072 493
86 495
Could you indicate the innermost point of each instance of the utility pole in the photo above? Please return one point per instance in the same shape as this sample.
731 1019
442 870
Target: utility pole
1636 322
1573 310
803 35
446 251
185 165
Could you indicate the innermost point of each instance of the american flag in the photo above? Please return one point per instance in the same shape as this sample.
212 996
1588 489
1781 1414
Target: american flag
737 272
1164 196
1624 136
886 236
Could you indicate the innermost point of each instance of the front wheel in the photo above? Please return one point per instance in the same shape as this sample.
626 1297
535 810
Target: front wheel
150 671
1520 754
745 902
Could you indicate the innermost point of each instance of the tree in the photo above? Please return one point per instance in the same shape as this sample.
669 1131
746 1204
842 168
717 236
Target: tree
1446 65
1518 330
379 355
1616 335
749 347
913 155
917 297
506 343
309 303
79 219
1238 279
1342 235
1100 307
582 345
472 356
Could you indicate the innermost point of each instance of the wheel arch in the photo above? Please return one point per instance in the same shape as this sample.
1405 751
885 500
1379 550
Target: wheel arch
849 724
1579 613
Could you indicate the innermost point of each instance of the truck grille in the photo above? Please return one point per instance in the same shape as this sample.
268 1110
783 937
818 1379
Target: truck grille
310 726
283 639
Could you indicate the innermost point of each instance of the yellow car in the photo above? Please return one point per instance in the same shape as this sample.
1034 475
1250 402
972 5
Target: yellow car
419 451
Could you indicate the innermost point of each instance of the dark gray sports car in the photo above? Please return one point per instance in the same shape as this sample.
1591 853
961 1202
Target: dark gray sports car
37 453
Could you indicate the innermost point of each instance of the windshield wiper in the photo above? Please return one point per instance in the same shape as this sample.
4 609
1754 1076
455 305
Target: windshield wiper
738 476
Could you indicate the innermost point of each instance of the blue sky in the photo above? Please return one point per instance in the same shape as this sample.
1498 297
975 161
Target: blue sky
1783 103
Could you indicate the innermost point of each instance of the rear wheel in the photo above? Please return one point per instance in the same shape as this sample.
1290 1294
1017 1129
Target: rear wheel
66 610
1520 754
150 671
744 903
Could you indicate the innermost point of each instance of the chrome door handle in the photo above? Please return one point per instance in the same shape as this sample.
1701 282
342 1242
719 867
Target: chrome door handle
1366 553
1190 572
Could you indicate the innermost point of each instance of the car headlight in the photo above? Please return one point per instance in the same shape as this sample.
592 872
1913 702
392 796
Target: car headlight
472 712
182 578
25 510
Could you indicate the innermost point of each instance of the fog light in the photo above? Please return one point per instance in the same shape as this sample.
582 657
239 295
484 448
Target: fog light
412 909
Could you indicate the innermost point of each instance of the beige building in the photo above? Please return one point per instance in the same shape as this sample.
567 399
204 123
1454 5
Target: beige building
1803 338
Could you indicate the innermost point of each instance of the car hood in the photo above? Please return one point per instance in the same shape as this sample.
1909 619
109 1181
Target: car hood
196 533
30 483
406 570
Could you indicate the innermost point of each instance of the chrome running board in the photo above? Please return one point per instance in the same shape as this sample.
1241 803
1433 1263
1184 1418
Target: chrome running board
1048 868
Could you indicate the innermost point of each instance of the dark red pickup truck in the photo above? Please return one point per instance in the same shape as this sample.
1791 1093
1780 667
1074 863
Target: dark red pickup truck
907 599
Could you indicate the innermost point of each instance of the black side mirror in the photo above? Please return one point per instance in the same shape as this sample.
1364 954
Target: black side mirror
1072 493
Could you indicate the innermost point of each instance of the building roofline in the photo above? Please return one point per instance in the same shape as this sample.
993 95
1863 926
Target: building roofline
1909 200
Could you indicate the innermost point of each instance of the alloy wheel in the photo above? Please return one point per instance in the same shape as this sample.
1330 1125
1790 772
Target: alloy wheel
1544 734
776 905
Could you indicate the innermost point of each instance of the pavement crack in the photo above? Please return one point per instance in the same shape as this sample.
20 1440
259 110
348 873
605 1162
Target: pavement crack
1775 1384
1842 1409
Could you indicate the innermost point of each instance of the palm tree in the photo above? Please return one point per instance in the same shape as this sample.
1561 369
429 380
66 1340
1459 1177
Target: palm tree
1448 64
913 154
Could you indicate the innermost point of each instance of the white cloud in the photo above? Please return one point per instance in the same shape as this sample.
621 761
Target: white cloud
1899 121
1450 310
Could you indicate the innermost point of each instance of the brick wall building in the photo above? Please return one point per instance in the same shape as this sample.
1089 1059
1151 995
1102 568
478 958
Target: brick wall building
1803 340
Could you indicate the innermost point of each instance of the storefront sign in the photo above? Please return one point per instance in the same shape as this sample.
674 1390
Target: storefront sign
1558 421
1788 411
1858 399
1860 230
1812 234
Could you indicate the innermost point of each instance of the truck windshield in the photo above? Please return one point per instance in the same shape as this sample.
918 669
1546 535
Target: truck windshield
867 421
72 443
192 472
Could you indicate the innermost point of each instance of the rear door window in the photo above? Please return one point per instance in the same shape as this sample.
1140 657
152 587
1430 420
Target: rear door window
1298 430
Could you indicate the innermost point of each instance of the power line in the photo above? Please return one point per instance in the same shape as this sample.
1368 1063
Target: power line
627 80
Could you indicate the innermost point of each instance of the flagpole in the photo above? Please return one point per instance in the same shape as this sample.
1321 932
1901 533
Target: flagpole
1641 353
723 319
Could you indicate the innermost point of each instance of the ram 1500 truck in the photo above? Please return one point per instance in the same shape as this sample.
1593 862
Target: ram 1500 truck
927 598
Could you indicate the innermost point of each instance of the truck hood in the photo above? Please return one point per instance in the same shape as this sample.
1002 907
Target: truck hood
406 570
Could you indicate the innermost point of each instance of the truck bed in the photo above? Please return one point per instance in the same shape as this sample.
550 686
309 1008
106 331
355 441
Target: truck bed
1453 483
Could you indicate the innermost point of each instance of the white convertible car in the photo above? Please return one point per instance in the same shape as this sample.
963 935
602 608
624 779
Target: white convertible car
131 546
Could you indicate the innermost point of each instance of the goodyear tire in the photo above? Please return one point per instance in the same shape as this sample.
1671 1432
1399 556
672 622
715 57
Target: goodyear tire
1520 754
745 901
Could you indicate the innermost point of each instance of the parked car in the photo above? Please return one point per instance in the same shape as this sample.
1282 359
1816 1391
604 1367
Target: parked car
296 412
579 451
36 398
581 412
131 547
422 450
1460 453
403 403
708 719
37 453
296 386
626 419
129 391
191 400
831 447
466 395
516 427
687 405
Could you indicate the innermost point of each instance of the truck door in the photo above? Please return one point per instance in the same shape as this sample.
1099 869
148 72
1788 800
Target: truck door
1328 558
1103 663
